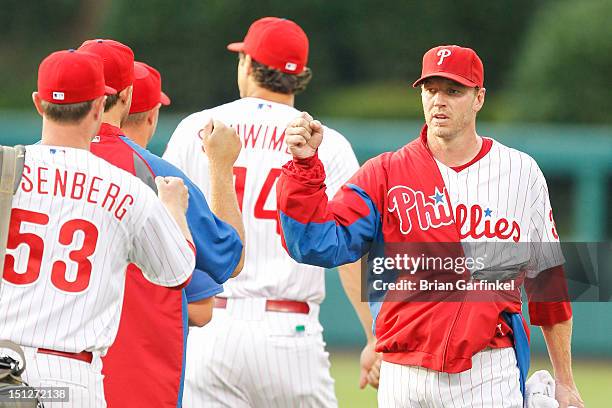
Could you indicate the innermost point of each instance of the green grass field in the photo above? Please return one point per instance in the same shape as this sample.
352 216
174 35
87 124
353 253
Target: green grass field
594 380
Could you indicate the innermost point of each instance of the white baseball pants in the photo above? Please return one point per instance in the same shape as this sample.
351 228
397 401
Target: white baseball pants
248 357
84 380
493 381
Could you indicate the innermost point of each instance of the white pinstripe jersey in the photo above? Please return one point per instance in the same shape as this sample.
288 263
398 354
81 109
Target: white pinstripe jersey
268 270
503 198
76 223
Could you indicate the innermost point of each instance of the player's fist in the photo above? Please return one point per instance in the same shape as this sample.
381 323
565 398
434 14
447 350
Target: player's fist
370 362
303 136
567 395
221 143
173 193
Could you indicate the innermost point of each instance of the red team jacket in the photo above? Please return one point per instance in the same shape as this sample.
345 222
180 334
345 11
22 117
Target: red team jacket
439 334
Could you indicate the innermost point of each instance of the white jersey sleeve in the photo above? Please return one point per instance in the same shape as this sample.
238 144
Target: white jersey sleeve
158 230
545 247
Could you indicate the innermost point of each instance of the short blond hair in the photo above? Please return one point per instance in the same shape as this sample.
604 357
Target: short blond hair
136 118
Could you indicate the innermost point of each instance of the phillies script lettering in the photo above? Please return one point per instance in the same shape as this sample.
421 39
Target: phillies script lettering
434 211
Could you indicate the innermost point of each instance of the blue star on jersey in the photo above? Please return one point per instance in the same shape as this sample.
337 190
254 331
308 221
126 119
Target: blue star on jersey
438 197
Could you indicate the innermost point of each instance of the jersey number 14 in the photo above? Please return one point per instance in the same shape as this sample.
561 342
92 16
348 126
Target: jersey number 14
259 211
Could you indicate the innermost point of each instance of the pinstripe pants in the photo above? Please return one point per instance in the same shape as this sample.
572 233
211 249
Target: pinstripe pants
84 380
247 357
493 381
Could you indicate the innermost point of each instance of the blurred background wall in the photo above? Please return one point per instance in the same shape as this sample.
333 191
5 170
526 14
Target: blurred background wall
548 65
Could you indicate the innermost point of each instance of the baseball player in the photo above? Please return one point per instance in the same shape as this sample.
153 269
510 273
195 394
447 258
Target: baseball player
76 223
153 316
264 345
449 185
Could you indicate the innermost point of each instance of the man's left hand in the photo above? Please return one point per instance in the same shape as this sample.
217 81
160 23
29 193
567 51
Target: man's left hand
370 362
567 395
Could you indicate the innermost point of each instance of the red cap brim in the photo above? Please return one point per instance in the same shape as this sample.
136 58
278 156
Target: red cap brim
236 47
453 77
109 91
164 100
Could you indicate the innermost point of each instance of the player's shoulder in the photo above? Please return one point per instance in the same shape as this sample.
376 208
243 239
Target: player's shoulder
158 165
513 156
191 124
382 161
335 138
122 178
76 159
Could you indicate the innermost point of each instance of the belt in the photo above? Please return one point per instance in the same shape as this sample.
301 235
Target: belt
85 356
286 306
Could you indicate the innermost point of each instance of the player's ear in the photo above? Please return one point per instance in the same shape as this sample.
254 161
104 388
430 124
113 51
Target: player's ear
37 103
479 99
248 66
97 106
152 115
126 95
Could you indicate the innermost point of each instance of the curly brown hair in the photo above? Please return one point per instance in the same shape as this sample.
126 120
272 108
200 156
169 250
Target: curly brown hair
277 81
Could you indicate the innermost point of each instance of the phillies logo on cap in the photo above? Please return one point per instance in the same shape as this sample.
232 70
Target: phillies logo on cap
58 96
465 67
443 53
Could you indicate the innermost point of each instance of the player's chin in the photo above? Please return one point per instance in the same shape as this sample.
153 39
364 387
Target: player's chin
439 130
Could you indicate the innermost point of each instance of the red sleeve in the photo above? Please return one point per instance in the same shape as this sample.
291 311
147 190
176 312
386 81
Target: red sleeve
548 297
317 231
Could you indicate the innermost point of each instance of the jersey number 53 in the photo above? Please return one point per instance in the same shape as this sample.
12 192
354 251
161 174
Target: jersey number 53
36 246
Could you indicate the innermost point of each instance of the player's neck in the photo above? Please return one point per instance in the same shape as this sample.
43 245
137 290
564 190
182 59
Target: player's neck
456 150
262 93
137 135
113 117
77 136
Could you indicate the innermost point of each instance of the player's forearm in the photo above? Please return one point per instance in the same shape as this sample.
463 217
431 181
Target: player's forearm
350 276
179 218
224 203
200 312
174 196
558 341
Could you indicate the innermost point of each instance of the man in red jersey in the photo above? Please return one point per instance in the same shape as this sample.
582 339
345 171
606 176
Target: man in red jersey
450 185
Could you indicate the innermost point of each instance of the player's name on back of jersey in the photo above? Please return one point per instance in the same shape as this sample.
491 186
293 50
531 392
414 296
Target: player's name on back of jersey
260 136
75 185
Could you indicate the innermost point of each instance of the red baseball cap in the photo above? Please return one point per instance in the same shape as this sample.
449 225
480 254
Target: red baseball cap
453 62
118 61
71 77
147 89
276 42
